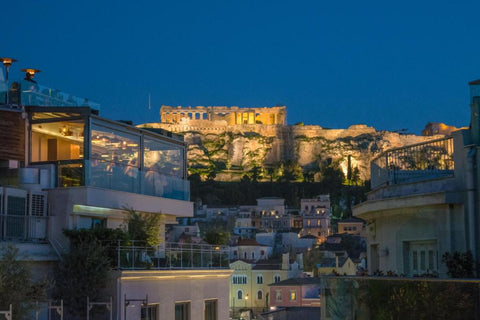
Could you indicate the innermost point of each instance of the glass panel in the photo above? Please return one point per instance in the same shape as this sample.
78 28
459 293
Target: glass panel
430 260
163 157
415 261
114 159
34 94
211 310
151 310
181 311
422 260
57 141
70 175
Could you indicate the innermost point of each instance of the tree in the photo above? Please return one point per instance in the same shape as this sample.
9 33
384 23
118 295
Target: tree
16 286
217 237
144 227
82 273
460 265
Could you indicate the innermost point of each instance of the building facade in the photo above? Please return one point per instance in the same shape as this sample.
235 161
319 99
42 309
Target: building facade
68 168
423 202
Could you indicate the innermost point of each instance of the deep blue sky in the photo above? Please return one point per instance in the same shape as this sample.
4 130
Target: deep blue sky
387 64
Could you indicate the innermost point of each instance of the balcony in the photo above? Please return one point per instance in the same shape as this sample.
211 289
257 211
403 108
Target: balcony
82 149
26 93
171 256
420 162
23 228
400 298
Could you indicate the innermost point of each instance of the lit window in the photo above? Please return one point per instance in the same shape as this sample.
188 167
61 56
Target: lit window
293 295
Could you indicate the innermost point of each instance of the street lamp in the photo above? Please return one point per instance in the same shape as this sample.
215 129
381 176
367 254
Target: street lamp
7 62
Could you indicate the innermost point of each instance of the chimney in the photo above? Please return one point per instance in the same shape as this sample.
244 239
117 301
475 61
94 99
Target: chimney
475 111
300 260
286 261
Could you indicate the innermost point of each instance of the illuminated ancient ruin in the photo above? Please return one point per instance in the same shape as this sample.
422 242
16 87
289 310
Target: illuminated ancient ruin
232 115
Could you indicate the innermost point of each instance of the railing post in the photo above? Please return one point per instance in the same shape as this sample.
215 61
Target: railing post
118 254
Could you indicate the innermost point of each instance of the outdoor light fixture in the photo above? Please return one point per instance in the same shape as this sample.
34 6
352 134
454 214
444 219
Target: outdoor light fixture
7 62
30 73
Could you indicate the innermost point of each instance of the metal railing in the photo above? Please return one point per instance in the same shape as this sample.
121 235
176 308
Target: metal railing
419 162
28 228
172 256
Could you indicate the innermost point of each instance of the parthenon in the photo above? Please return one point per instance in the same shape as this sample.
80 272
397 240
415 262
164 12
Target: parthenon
232 115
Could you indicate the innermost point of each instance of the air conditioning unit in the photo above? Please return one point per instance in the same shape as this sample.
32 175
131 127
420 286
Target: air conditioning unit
37 214
14 213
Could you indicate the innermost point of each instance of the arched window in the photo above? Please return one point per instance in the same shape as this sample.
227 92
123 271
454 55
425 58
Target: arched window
259 279
253 255
239 295
276 278
259 295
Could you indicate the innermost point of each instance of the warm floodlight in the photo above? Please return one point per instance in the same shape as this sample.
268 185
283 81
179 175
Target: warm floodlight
30 73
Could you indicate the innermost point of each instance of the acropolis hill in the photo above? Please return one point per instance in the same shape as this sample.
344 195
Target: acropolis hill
232 141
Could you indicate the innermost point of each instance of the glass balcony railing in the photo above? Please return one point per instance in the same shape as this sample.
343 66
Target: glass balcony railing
400 298
122 178
420 162
24 228
28 93
172 256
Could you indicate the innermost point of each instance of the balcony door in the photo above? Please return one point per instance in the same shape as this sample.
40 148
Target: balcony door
423 257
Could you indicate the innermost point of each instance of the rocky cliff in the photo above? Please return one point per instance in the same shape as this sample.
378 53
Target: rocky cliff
232 150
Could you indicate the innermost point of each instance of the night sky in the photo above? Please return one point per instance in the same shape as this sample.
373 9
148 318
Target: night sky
388 64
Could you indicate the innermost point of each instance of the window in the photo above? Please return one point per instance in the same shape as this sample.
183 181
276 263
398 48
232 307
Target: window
423 257
210 310
253 255
259 279
53 141
259 295
151 311
239 295
276 278
239 279
278 295
293 295
182 311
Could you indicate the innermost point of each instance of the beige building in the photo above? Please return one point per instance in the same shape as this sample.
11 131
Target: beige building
423 202
249 282
351 225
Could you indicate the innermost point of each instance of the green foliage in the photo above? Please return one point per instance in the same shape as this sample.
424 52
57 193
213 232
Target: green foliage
16 286
83 272
144 228
460 265
418 300
217 237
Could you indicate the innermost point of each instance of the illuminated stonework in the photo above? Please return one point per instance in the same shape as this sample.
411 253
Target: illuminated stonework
232 115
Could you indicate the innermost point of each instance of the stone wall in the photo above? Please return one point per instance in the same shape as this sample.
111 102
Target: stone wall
236 149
